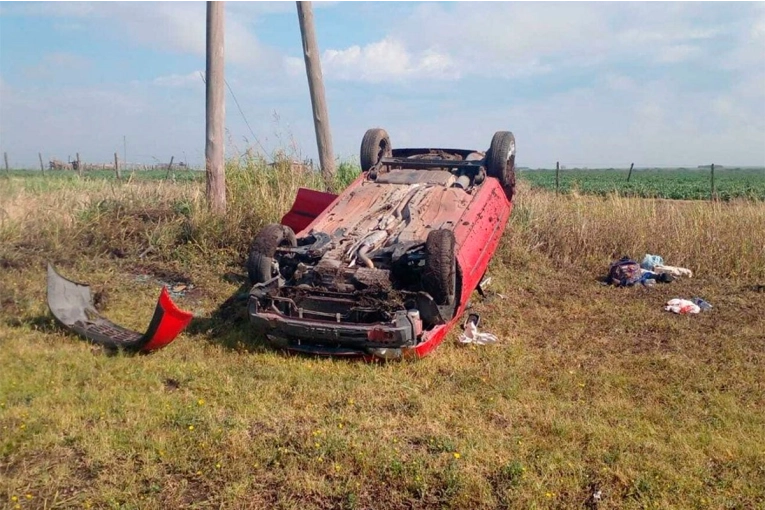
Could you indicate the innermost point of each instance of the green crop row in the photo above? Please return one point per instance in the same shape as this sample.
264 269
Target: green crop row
678 183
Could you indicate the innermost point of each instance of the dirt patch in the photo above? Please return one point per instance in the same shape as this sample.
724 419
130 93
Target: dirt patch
161 272
172 384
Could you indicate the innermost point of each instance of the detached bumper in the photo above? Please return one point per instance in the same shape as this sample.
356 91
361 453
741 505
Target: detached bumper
335 339
72 305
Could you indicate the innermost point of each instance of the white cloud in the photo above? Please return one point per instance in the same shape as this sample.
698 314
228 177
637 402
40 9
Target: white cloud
56 62
387 60
181 27
192 79
53 9
677 53
509 40
169 26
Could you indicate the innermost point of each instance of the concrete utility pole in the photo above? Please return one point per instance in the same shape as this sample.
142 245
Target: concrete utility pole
216 109
316 87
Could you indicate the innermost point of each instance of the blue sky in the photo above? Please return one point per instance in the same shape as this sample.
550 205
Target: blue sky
588 84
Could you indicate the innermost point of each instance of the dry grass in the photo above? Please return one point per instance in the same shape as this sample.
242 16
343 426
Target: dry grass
721 239
590 388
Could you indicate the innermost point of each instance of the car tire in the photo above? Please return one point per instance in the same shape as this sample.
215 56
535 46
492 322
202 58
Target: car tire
439 279
500 161
260 261
374 145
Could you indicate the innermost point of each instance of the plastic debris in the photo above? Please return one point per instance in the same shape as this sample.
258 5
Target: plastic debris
471 335
701 304
651 261
682 306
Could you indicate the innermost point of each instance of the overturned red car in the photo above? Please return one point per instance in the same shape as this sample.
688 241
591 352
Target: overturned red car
385 269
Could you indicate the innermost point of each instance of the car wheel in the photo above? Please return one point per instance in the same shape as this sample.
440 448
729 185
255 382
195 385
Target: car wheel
374 145
260 261
439 278
500 161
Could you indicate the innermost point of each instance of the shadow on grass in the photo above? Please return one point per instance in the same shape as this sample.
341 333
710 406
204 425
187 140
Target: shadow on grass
228 325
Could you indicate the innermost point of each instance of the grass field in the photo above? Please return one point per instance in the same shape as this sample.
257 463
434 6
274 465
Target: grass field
677 183
670 183
590 391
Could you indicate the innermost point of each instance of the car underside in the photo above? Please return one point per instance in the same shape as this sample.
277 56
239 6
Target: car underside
378 269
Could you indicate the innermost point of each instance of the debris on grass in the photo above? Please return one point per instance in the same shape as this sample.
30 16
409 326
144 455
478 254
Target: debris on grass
704 305
682 306
471 335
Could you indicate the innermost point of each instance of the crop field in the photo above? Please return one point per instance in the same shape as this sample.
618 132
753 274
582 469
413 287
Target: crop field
35 176
594 397
676 183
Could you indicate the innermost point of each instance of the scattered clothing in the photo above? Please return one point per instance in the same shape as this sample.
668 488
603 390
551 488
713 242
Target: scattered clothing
625 272
673 270
656 277
682 306
651 261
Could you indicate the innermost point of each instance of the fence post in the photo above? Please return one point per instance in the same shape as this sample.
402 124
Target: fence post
557 177
5 157
169 167
714 189
117 167
42 168
632 165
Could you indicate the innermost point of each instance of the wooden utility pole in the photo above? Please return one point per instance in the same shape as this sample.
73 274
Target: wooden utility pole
5 157
79 166
557 176
42 168
215 109
316 88
632 165
117 167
